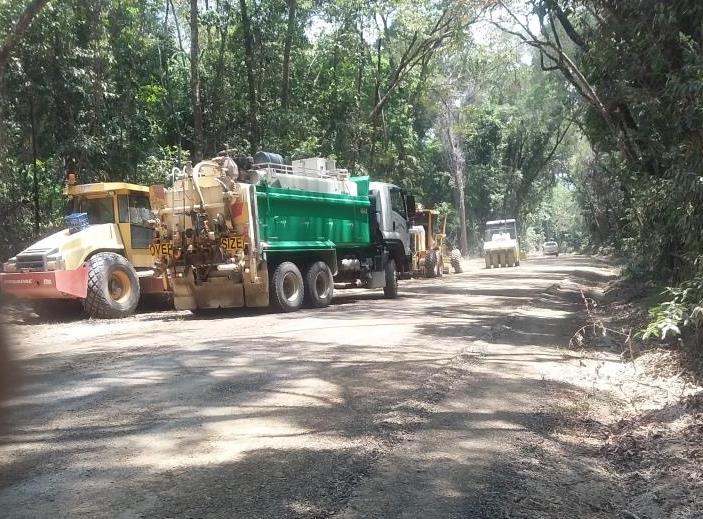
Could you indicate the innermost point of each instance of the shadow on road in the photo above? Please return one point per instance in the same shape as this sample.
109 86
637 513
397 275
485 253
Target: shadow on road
266 424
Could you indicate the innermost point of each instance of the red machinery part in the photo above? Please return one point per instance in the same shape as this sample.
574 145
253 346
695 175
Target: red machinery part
59 284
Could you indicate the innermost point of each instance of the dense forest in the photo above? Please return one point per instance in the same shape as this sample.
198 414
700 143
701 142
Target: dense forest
581 118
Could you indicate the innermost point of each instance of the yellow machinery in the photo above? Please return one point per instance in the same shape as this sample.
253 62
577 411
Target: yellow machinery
430 254
426 245
102 259
501 247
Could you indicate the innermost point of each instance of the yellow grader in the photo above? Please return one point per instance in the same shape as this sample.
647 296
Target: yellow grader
430 257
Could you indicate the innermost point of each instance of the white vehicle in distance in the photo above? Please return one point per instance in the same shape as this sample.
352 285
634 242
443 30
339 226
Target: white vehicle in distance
550 248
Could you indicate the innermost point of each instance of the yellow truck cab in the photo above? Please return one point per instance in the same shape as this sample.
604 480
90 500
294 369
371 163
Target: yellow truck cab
102 259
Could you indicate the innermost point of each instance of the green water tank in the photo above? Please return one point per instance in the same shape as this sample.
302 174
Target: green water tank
291 219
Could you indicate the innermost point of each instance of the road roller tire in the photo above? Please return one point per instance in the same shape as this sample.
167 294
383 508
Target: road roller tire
113 287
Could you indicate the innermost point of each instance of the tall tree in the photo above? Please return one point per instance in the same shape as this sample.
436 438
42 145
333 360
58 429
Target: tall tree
251 76
198 134
448 121
285 80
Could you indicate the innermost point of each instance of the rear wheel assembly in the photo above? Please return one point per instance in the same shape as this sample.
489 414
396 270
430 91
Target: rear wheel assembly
113 287
319 286
287 288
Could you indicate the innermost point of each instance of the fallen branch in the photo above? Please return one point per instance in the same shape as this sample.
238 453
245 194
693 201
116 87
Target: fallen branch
594 323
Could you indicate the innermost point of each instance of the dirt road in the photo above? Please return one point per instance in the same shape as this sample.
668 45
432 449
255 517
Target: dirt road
370 408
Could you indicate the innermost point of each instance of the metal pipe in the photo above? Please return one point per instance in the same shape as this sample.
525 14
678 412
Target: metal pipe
188 208
226 267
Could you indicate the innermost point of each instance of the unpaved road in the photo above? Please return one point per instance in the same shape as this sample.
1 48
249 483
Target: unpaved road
370 408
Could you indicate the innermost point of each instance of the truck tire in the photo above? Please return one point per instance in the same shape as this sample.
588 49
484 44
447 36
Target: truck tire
391 288
511 258
489 260
319 285
440 265
431 264
455 260
113 287
287 289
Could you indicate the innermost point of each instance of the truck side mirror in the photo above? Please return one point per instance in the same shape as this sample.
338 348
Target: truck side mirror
410 206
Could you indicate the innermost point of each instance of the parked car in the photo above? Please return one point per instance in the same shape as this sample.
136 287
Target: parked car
550 248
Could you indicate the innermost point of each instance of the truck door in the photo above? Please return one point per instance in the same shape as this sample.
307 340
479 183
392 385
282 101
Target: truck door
399 218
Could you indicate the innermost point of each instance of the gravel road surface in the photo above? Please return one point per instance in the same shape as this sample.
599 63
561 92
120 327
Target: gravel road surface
370 408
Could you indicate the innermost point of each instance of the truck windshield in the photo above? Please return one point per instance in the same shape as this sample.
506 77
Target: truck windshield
492 230
100 210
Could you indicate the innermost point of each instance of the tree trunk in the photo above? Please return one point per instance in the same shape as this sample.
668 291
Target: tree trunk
285 88
251 77
195 84
456 161
463 237
13 38
35 177
456 165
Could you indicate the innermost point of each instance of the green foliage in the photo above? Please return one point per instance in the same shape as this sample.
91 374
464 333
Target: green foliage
683 307
641 189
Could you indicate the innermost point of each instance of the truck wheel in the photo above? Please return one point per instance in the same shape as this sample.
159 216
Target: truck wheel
113 287
431 264
440 265
319 286
511 259
391 288
287 287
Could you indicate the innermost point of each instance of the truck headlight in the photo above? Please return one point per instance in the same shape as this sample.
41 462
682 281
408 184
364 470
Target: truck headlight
10 265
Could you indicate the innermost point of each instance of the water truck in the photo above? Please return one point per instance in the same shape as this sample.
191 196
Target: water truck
236 232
